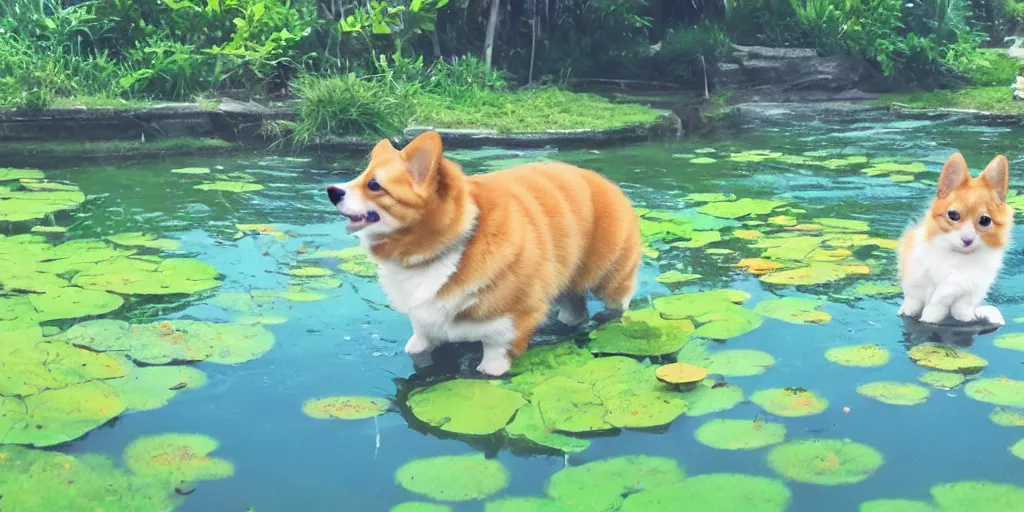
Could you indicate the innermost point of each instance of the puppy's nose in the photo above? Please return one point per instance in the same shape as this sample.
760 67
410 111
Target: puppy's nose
335 194
967 240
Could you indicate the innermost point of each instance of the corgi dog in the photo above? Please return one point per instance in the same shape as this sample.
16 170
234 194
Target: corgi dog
950 258
484 257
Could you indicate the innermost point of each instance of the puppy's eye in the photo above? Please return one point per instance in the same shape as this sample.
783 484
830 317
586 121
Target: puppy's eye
985 221
953 215
373 185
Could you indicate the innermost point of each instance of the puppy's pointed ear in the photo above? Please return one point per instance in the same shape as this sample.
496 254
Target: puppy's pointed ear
423 156
954 175
382 148
997 176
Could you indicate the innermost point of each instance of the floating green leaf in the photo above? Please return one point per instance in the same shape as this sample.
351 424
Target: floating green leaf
36 185
816 273
49 229
703 160
641 332
895 393
192 170
638 399
600 485
310 272
729 322
941 380
719 492
708 197
10 174
1007 417
1017 449
523 504
1011 341
896 505
675 278
420 506
345 407
794 310
355 261
880 289
790 402
176 458
740 362
529 424
863 356
145 240
946 358
19 205
740 208
152 387
725 434
999 391
709 398
134 276
29 366
825 461
453 478
465 406
568 405
58 415
977 496
843 225
680 373
230 186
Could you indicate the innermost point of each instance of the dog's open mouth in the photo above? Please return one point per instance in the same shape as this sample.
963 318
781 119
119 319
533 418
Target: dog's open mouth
357 222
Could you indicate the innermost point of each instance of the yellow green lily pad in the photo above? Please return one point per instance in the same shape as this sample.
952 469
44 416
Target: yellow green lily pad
355 261
728 434
675 278
825 461
680 373
740 208
637 399
453 478
941 380
708 197
529 424
29 366
1011 341
794 310
145 240
708 398
816 273
602 484
790 402
58 415
977 496
176 458
191 170
464 406
21 205
420 506
152 387
895 393
1017 449
879 289
703 160
134 276
719 492
345 407
740 362
230 186
523 504
998 390
896 505
568 405
946 358
1007 416
640 332
12 174
862 356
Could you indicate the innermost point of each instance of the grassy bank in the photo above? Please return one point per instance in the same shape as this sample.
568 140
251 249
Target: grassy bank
987 99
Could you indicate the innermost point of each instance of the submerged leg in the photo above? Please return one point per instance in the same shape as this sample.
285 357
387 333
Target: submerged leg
572 309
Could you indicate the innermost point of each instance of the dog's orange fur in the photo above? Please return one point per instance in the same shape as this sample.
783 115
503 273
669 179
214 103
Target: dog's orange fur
536 231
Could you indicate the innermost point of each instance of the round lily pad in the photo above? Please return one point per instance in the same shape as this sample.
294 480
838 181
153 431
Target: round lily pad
601 484
740 362
176 458
145 240
825 461
880 289
708 197
29 366
465 406
420 506
310 272
523 504
72 302
708 398
946 358
941 380
20 205
815 273
641 332
675 278
794 310
1017 449
58 415
726 434
790 402
134 276
230 186
690 305
714 492
895 393
152 387
191 170
758 266
1007 417
999 391
680 373
740 208
454 477
345 407
863 356
896 505
702 160
568 405
1011 341
528 424
636 399
977 496
11 174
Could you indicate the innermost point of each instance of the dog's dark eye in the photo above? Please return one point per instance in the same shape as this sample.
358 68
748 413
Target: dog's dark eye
953 215
373 185
985 221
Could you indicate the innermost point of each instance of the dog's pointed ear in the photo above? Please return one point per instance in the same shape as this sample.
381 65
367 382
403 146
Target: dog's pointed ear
423 156
954 175
382 148
997 176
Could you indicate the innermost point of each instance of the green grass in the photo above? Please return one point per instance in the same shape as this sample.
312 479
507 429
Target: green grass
529 112
97 102
1002 69
988 99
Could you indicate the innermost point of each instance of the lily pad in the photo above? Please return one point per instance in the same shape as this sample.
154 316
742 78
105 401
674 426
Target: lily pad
29 366
977 496
708 197
453 478
145 240
895 393
1007 417
999 391
310 272
680 373
719 492
191 170
794 310
816 273
636 399
740 208
523 504
725 434
740 362
689 305
11 174
862 356
528 424
896 505
133 276
675 278
703 160
946 358
49 229
1017 449
230 186
59 415
465 406
790 402
1011 341
152 387
708 398
641 332
345 407
729 322
420 506
568 405
600 485
825 461
37 185
941 380
20 205
176 458
879 289
758 266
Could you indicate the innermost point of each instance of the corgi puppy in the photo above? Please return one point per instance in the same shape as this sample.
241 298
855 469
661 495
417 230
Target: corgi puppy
949 259
483 258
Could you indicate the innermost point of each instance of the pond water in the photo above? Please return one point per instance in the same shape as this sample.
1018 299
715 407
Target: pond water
332 340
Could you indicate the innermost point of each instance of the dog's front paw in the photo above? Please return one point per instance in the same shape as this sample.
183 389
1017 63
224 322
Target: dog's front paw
962 314
990 314
933 315
494 367
417 345
911 308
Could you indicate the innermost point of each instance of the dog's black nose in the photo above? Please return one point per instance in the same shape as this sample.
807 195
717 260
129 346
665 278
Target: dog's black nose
335 194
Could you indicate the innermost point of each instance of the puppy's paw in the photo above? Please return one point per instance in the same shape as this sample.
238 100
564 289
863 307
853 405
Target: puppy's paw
571 317
932 315
911 308
423 359
965 315
494 367
417 345
990 314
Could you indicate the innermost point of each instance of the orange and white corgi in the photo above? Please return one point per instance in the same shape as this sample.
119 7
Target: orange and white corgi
949 260
482 258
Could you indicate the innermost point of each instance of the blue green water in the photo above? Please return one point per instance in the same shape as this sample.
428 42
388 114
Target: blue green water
350 344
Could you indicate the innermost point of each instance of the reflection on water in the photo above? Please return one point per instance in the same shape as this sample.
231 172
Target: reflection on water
344 340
